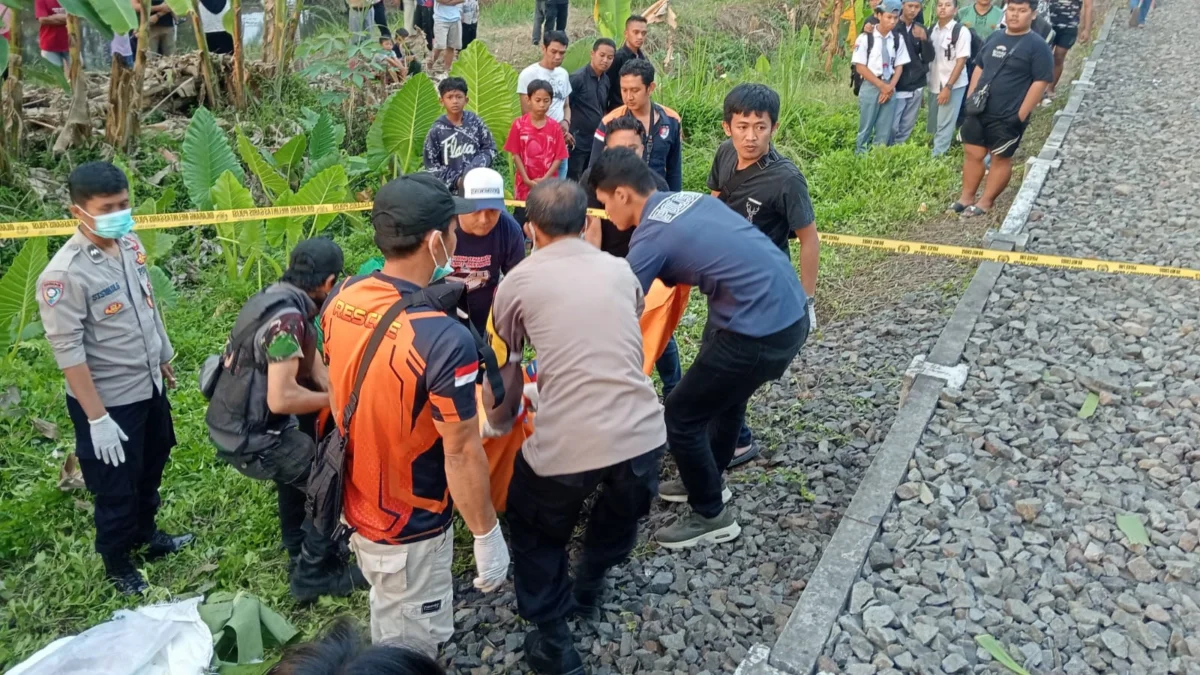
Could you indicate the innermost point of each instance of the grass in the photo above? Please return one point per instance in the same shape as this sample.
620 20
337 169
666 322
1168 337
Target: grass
51 583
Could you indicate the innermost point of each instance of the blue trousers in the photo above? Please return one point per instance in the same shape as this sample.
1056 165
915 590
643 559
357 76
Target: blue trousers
1142 9
943 119
905 117
874 118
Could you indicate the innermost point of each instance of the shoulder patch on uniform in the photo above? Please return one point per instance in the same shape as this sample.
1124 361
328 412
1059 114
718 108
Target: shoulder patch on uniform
676 203
282 346
94 252
664 131
52 292
114 308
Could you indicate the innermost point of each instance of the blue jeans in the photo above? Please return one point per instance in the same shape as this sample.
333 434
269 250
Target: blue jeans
562 175
906 117
943 119
874 118
669 370
1144 9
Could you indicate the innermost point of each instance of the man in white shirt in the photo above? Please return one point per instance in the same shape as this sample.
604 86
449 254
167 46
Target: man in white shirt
948 76
879 59
549 68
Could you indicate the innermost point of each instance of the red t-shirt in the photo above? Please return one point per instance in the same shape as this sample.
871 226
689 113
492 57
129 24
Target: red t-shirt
537 148
50 38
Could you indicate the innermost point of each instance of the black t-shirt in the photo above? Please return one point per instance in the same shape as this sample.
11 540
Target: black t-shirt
772 193
612 240
1009 82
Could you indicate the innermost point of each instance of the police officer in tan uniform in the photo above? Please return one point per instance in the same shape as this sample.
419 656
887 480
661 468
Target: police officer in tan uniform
99 314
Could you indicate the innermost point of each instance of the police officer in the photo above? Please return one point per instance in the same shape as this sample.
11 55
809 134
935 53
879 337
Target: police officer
99 314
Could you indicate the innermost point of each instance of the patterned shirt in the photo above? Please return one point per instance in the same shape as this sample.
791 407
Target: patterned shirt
470 11
453 150
1065 13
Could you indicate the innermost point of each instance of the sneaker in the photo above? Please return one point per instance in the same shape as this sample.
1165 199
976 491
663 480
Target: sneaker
552 656
124 576
693 528
674 491
162 544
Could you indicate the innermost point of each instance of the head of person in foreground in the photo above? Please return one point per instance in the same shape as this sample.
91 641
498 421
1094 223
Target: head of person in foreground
342 650
555 209
416 221
1019 15
751 119
314 267
100 199
623 183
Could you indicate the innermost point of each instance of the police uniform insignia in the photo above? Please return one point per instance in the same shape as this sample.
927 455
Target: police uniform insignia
52 292
663 132
141 258
95 253
113 308
105 292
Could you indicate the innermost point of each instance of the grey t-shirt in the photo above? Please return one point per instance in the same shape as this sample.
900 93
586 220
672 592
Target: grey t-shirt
579 308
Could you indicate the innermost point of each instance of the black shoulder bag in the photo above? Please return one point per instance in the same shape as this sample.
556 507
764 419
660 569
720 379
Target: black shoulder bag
977 102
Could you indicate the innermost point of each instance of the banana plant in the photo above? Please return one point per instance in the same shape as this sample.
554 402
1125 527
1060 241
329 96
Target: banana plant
18 302
610 16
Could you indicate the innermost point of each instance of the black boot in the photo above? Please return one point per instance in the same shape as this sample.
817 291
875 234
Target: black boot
314 576
123 575
162 544
589 595
550 650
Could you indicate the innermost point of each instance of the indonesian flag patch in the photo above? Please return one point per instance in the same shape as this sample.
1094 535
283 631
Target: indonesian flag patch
599 134
465 375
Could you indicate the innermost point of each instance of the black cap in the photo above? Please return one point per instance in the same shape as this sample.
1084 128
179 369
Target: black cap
415 204
317 256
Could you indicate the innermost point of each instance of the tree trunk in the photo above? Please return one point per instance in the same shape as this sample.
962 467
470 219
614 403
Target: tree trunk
206 69
78 126
12 102
239 63
835 22
287 44
132 112
120 90
271 30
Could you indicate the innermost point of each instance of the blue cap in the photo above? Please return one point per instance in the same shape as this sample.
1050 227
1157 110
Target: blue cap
891 6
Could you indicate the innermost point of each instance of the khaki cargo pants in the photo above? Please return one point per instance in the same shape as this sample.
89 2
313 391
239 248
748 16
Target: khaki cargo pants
412 590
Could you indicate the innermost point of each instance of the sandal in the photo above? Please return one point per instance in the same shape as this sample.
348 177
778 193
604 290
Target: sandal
956 207
972 211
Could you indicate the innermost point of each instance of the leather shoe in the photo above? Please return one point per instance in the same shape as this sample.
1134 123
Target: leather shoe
162 544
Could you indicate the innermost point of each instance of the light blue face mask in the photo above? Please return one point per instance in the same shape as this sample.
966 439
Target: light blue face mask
441 271
111 225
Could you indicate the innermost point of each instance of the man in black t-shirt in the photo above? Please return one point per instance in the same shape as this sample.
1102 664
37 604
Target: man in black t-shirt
635 37
754 180
1015 65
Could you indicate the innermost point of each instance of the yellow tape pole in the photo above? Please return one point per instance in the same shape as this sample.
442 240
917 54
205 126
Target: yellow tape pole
46 228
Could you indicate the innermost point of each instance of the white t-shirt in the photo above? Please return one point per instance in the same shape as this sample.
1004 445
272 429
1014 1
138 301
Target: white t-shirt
446 13
213 23
939 72
559 80
874 61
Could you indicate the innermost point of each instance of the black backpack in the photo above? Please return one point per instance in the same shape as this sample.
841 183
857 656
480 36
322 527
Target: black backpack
856 80
327 483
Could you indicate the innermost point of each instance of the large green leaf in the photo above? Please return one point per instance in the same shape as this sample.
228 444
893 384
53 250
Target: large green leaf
20 5
158 243
492 88
260 165
118 15
164 288
579 54
317 166
229 193
18 287
3 53
180 7
610 17
206 157
402 123
41 71
84 10
277 228
289 156
325 137
328 187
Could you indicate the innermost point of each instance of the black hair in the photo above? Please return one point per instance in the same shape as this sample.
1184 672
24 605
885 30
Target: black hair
312 262
395 245
555 36
626 123
640 67
745 99
96 179
539 85
1033 4
603 42
342 650
635 18
452 84
620 167
557 207
385 38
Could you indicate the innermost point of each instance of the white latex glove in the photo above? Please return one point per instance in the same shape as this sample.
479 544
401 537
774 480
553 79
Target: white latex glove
812 316
106 440
531 393
491 560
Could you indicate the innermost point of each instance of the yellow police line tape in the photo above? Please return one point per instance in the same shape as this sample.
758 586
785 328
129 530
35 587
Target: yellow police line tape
47 228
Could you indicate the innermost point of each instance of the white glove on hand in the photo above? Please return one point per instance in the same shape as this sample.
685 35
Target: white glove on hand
812 316
491 560
531 393
106 440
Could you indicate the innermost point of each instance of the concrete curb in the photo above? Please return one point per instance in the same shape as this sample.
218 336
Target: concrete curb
803 638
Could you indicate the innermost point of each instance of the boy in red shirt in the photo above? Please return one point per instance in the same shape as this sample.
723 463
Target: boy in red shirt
52 31
536 146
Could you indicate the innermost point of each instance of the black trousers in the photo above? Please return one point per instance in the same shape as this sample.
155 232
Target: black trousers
219 43
379 12
126 495
579 157
556 17
295 527
469 32
423 19
543 512
704 412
